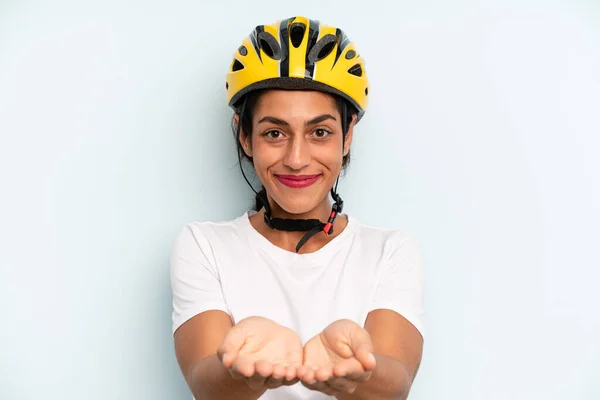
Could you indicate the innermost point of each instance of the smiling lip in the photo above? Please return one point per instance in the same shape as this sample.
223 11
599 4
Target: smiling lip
297 181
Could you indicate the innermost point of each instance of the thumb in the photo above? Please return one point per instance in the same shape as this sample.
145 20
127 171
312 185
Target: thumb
362 347
229 349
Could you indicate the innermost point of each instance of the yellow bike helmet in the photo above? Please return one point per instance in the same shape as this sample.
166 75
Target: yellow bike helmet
298 53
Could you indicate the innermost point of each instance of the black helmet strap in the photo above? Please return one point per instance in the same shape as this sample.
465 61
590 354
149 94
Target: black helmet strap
311 226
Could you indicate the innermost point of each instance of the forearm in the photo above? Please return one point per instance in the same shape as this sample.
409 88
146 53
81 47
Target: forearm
209 379
389 381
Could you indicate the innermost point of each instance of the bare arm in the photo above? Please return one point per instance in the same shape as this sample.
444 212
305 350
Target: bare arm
196 344
398 347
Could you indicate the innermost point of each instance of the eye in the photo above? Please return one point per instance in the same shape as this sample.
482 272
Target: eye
272 134
321 133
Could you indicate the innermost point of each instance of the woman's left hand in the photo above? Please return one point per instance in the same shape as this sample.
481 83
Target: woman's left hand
338 359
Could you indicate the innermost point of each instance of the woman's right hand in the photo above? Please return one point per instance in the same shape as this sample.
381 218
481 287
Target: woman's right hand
262 352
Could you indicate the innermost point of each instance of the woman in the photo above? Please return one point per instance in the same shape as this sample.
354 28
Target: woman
294 300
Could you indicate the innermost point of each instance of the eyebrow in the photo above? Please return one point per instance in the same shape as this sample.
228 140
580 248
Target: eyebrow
281 122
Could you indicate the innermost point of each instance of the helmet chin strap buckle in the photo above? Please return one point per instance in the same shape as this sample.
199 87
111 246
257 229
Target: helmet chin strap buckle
335 210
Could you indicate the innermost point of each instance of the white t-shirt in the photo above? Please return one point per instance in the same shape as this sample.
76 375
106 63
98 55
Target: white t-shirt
229 266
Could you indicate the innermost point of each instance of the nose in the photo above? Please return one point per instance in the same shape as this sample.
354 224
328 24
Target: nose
297 154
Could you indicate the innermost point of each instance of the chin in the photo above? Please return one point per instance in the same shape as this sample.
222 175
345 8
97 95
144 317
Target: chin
296 208
297 204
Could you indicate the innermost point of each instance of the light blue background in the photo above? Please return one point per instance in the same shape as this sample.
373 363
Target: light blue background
482 138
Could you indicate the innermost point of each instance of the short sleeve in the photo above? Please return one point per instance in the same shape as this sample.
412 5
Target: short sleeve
195 283
400 285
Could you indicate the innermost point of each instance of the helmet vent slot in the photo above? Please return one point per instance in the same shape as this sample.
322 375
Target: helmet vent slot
269 45
322 48
297 30
356 70
237 66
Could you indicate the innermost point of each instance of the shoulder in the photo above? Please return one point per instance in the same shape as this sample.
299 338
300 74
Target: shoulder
388 241
205 234
215 228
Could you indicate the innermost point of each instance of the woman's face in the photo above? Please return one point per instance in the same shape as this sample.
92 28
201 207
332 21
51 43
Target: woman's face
296 145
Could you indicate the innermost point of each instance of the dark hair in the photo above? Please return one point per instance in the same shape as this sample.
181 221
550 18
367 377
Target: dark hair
245 111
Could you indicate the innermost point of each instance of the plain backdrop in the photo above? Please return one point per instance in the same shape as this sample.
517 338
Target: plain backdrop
482 138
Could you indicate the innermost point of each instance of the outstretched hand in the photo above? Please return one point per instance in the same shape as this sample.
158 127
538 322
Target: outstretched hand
338 359
262 353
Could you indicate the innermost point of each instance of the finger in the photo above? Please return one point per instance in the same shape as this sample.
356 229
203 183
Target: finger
282 375
301 371
278 372
363 377
324 373
362 346
365 356
262 371
308 375
243 367
263 368
348 367
351 371
291 373
305 373
290 382
227 359
229 349
236 375
358 376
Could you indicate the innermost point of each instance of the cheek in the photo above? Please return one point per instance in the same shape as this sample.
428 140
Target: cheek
264 157
331 156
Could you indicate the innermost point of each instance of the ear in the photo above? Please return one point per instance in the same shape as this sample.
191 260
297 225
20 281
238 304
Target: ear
349 135
245 141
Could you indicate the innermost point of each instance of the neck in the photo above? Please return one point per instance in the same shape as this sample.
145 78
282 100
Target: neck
321 212
288 240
